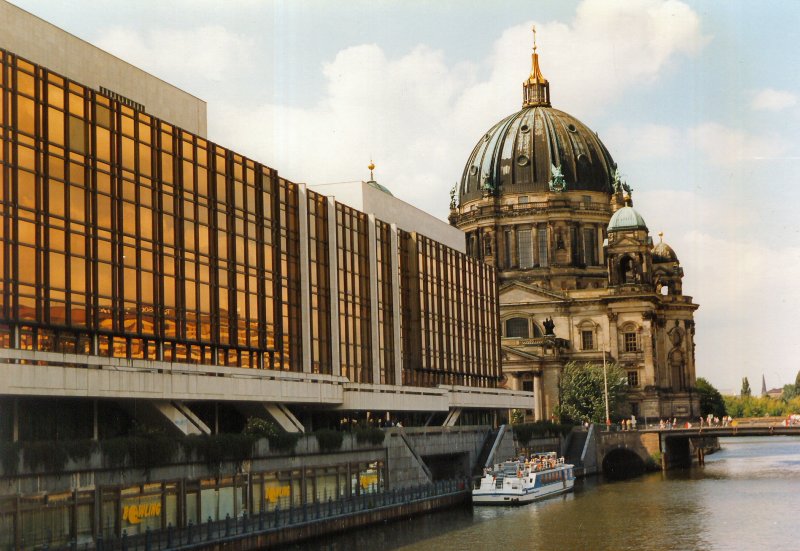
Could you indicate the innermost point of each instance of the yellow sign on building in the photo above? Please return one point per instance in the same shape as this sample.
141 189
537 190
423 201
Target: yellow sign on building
134 514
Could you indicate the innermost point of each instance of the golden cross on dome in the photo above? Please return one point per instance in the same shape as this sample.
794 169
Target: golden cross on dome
534 37
660 236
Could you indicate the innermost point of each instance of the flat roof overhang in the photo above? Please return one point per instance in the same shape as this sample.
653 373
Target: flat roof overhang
34 373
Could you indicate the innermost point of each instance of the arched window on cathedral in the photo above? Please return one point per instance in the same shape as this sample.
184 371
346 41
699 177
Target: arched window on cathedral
517 328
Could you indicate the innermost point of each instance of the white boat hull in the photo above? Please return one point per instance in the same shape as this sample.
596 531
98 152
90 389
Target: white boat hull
521 497
515 487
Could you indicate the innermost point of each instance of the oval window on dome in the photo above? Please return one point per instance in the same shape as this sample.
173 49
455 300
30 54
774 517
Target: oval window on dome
524 128
522 160
583 159
486 137
572 128
473 170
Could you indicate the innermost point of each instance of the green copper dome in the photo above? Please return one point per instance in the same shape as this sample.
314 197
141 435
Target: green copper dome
376 185
626 219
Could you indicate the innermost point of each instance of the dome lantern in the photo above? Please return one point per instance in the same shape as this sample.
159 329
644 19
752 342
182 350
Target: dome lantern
535 90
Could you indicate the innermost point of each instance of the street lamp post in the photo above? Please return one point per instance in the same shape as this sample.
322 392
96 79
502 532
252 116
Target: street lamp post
605 389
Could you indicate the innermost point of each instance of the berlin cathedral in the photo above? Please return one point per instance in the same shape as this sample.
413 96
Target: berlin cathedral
580 278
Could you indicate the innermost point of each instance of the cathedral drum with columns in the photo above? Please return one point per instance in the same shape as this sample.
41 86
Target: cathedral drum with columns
542 200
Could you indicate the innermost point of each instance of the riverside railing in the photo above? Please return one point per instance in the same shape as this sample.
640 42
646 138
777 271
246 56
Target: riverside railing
264 522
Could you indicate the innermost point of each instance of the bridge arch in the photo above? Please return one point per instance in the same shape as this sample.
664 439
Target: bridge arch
622 462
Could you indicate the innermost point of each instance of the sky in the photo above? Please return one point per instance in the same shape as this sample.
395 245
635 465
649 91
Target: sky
697 101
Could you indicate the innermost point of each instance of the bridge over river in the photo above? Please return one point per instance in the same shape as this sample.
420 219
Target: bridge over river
622 453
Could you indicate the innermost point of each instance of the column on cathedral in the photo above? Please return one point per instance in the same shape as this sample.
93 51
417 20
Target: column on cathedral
647 348
537 397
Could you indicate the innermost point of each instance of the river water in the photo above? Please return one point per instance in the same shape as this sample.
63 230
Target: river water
747 496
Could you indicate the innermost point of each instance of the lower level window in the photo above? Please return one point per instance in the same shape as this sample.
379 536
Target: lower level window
633 378
587 340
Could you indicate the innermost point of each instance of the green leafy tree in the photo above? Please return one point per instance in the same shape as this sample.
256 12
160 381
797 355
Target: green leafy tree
789 392
797 383
710 399
745 388
581 392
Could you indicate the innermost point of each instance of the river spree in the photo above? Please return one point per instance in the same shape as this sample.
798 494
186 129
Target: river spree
746 497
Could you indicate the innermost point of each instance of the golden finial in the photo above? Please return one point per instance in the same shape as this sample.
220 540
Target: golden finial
660 237
536 89
371 167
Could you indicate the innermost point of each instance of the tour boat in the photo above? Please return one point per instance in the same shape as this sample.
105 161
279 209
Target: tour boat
524 480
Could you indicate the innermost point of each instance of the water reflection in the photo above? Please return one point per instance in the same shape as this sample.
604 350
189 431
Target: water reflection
744 498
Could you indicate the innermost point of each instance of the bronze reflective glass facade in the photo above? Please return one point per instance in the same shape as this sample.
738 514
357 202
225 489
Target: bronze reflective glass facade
449 316
125 236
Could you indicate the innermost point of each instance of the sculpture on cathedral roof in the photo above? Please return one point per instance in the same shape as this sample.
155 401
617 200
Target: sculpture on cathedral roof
620 185
557 182
549 325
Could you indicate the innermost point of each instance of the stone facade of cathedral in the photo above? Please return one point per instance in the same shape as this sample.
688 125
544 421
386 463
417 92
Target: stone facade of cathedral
580 277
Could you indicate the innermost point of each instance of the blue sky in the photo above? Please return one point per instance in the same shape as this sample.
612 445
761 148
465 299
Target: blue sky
696 101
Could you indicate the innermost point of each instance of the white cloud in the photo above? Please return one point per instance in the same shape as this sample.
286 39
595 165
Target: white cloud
649 141
209 52
746 319
612 46
770 99
419 117
722 144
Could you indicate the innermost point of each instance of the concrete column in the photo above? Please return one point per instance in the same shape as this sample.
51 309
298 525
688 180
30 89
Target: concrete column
647 349
537 397
396 320
512 247
372 239
613 339
15 424
601 259
305 283
333 263
95 428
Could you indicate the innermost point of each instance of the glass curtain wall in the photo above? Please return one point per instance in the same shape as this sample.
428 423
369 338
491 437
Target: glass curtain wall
124 234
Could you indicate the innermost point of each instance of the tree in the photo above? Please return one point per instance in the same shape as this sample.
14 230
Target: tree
710 399
797 382
581 392
789 392
745 388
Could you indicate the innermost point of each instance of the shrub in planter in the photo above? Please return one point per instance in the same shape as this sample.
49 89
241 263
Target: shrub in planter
260 428
79 450
284 441
329 440
51 455
115 450
371 435
216 448
278 439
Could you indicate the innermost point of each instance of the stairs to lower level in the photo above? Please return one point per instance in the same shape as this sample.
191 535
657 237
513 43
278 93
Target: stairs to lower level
486 455
576 441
